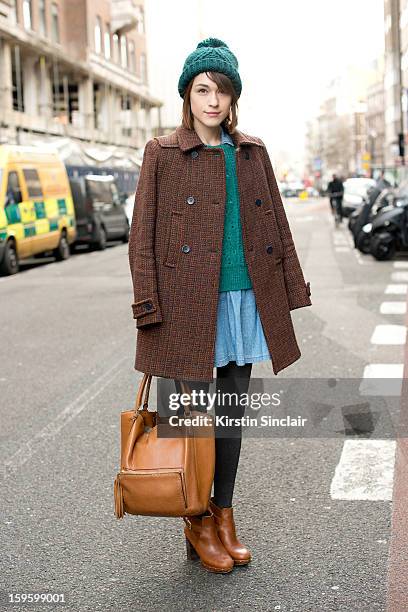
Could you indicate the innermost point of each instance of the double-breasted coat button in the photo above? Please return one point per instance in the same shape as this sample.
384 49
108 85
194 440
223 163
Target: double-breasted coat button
258 202
190 200
269 248
194 154
185 248
148 306
246 154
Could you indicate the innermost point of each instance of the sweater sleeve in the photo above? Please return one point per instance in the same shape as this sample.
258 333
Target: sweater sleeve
146 305
298 291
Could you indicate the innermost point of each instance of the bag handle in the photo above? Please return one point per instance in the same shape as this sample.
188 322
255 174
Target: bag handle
145 385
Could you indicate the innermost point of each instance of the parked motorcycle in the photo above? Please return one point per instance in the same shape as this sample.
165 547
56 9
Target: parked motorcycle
376 200
388 232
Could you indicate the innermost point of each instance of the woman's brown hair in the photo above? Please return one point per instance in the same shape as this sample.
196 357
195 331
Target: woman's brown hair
224 84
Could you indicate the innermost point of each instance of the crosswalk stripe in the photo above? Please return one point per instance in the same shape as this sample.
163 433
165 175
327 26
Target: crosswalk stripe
389 334
365 471
382 379
396 289
399 276
393 308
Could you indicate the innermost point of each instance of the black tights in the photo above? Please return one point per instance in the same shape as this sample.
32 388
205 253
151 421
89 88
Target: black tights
231 378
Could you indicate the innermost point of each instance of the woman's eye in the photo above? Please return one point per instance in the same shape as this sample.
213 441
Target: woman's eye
205 91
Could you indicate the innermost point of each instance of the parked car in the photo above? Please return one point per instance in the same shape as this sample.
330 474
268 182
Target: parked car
355 190
99 210
36 210
292 189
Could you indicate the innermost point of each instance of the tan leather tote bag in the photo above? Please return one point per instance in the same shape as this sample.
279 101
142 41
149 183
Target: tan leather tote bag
163 476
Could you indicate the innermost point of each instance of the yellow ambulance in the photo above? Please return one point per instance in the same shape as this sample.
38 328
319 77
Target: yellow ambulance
36 208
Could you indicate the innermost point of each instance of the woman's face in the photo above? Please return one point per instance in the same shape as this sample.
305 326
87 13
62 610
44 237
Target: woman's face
205 98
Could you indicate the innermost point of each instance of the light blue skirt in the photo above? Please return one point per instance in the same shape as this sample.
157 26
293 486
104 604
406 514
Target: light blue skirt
240 335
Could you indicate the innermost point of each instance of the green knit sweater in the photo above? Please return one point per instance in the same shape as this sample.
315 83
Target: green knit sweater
234 271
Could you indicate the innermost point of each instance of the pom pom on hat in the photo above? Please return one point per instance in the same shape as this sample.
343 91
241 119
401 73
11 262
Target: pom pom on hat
212 42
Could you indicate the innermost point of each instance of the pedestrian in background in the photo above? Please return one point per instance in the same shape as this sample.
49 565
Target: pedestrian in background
215 271
382 182
336 190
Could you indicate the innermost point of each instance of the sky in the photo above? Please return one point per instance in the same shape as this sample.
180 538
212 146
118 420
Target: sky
287 51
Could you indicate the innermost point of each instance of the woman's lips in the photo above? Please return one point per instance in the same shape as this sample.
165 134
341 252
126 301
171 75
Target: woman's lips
213 114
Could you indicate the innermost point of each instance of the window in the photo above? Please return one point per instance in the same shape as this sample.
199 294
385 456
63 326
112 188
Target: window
27 14
100 189
42 18
107 43
143 75
115 39
115 194
13 193
55 22
17 80
123 51
132 56
98 35
33 183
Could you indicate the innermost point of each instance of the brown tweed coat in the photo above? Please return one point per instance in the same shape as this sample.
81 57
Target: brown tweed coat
175 252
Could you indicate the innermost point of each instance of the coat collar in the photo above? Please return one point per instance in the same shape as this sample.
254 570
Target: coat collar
188 139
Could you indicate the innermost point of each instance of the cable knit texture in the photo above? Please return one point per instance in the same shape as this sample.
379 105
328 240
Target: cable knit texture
234 271
211 55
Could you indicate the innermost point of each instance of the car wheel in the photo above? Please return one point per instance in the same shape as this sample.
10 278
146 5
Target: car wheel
383 251
363 242
10 264
101 244
62 251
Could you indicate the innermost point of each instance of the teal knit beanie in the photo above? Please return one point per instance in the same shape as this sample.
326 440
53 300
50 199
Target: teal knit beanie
211 54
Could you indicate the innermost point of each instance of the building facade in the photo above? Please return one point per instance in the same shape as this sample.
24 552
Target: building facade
75 69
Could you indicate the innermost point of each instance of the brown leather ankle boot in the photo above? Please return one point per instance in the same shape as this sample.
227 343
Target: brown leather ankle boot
224 520
203 542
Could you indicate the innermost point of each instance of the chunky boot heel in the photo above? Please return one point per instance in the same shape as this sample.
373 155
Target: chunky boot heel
202 542
191 552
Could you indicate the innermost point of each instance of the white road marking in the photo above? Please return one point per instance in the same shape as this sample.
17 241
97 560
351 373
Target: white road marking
396 289
342 249
50 431
389 334
382 379
400 264
365 471
400 275
393 308
384 370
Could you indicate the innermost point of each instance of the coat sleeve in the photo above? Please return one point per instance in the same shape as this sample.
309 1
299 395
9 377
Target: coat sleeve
298 291
146 305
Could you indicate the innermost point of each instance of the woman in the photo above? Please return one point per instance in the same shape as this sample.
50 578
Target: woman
215 271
